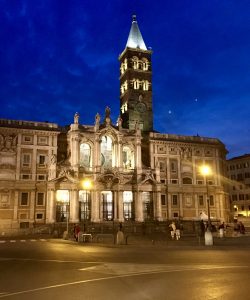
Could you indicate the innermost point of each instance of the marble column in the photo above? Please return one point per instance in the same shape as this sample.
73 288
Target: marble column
51 206
95 207
138 207
158 213
74 206
32 206
120 207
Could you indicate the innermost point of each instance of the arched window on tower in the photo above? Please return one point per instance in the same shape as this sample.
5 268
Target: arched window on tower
106 152
145 85
125 64
85 155
135 62
136 84
145 64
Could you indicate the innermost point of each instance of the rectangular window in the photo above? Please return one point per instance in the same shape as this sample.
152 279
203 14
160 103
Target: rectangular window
174 181
162 166
40 199
239 177
41 177
41 160
241 196
163 199
175 215
211 200
26 160
25 176
242 207
235 197
24 198
43 140
173 166
27 139
39 216
201 200
174 200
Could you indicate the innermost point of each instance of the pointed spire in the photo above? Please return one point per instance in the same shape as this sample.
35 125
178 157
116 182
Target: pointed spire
135 39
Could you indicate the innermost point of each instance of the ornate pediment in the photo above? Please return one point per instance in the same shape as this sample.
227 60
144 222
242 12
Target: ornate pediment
66 174
112 176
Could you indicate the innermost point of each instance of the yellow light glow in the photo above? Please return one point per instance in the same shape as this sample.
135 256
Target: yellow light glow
62 195
205 170
87 184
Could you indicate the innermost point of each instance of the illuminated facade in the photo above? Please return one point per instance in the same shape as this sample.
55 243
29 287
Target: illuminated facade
238 169
134 173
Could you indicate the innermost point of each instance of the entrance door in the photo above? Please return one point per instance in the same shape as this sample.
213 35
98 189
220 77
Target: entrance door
107 206
148 210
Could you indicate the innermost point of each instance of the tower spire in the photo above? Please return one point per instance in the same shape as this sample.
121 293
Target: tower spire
135 39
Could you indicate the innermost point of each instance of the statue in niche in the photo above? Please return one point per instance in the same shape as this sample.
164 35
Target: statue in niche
76 118
186 153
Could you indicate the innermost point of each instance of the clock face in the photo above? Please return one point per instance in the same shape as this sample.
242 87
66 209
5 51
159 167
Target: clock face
141 107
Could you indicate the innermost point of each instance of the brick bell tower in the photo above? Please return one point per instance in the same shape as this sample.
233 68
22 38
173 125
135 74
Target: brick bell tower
136 82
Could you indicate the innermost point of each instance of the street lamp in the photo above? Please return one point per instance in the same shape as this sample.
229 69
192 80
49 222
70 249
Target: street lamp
206 171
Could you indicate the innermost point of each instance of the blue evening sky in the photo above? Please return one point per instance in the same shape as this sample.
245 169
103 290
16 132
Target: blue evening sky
58 57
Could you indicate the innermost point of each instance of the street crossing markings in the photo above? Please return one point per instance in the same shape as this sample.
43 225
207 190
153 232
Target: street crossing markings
22 241
119 269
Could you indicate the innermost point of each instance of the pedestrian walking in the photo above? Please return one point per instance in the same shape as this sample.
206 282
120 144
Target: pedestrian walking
178 231
221 230
172 230
77 229
241 228
236 228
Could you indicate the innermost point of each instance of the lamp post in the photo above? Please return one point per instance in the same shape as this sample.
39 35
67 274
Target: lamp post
206 171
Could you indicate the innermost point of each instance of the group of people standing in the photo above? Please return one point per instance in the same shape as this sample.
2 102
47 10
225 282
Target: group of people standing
175 230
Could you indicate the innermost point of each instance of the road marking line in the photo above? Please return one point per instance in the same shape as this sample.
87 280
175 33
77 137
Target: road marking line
42 240
32 240
22 241
112 277
2 242
12 241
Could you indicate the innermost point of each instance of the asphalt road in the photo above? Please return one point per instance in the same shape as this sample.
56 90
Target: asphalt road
58 269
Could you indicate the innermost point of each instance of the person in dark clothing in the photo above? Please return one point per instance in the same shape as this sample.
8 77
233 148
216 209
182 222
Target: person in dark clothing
202 228
77 229
242 228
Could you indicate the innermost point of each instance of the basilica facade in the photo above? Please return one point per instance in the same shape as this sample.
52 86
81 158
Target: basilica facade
112 171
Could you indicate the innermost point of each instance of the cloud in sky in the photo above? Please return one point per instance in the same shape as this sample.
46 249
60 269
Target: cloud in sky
59 57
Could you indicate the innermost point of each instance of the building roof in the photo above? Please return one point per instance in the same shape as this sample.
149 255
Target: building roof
247 155
135 39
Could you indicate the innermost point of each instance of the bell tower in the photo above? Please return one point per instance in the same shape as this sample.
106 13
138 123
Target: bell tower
136 82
